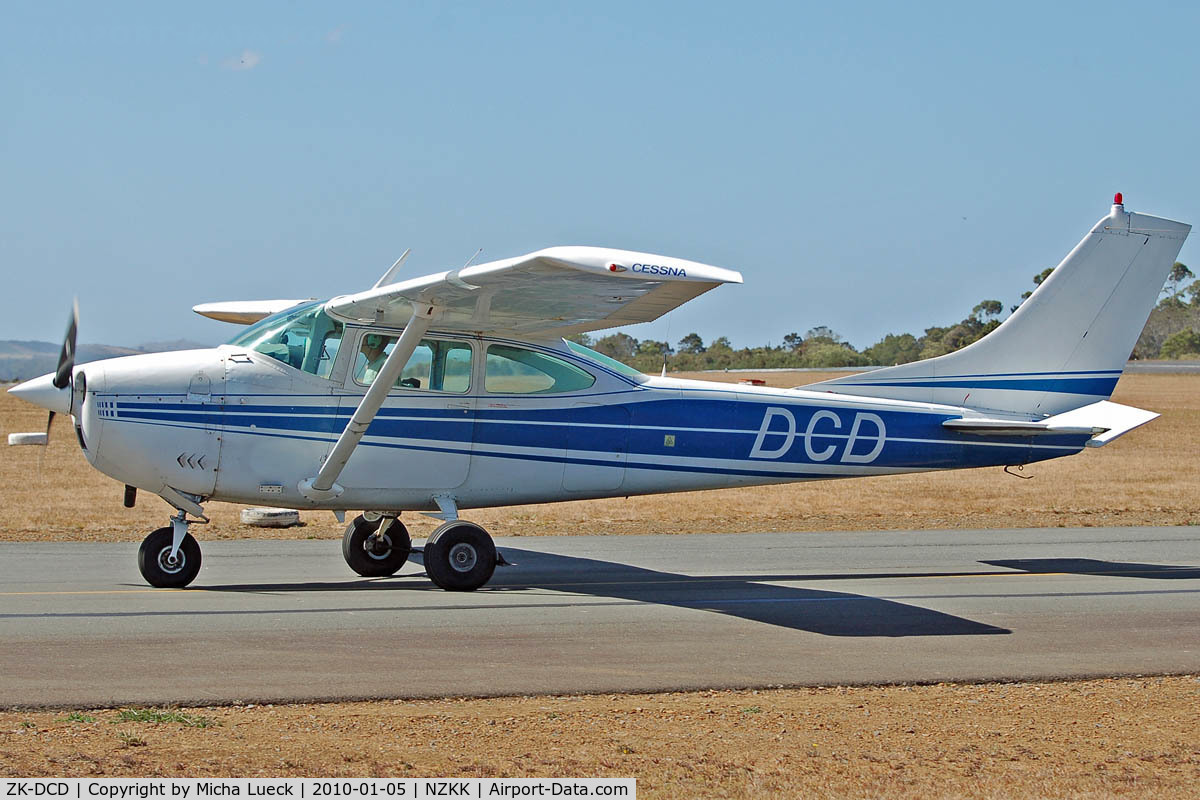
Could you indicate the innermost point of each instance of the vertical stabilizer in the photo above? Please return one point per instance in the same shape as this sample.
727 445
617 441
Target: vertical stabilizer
1065 346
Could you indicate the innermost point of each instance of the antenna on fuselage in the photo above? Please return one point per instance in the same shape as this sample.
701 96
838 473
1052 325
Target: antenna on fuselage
390 275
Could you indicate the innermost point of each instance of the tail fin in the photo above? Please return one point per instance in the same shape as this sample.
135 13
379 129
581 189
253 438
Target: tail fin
1065 346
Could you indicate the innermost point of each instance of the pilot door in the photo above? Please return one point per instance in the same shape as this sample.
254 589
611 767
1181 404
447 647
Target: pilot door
422 436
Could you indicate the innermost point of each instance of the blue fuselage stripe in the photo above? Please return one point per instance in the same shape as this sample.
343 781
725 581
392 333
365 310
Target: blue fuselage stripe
676 429
1100 387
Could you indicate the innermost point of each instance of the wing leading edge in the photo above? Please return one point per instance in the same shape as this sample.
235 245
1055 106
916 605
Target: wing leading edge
554 292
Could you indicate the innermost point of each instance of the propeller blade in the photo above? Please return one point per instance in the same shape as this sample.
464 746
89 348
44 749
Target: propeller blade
49 422
66 359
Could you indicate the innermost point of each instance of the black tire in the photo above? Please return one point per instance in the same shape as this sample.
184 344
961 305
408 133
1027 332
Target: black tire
460 557
373 556
155 567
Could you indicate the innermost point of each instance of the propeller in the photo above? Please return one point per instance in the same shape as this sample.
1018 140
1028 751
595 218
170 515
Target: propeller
66 361
66 358
55 392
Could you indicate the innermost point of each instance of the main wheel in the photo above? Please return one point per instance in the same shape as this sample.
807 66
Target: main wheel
373 553
460 557
157 566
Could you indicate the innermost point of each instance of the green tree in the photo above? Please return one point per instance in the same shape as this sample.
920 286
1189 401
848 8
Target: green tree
822 333
1175 278
618 345
692 343
1182 344
720 343
656 349
894 349
1192 292
831 354
1173 291
988 308
792 342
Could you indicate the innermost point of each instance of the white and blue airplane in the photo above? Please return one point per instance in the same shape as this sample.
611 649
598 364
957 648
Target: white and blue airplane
458 390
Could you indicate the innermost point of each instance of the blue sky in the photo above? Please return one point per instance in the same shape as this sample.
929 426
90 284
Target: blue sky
871 167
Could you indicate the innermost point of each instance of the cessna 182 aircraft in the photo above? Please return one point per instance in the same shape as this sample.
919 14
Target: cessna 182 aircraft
458 390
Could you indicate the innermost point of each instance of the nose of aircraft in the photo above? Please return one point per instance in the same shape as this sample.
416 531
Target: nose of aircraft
42 392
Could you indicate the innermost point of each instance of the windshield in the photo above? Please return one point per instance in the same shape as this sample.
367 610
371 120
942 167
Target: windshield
304 337
600 358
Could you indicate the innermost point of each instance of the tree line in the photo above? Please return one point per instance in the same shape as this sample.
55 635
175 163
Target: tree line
1173 331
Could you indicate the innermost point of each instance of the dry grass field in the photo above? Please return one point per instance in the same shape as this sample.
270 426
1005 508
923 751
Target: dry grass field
1149 477
1123 737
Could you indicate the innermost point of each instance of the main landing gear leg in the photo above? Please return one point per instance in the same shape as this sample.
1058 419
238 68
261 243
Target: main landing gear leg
169 558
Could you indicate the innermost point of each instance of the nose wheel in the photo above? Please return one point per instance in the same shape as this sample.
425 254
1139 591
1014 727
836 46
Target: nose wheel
376 549
163 569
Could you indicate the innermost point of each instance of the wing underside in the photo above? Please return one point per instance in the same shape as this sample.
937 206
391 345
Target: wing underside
551 293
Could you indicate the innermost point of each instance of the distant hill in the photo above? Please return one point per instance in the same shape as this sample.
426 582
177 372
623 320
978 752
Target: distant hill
21 360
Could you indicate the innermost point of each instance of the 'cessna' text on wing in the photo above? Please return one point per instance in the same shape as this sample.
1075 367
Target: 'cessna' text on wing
657 269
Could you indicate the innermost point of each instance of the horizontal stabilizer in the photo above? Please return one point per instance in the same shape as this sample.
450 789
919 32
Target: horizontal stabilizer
244 312
1103 421
1006 427
1116 419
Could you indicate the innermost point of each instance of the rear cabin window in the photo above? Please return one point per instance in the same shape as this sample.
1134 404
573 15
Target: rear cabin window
436 365
600 358
515 370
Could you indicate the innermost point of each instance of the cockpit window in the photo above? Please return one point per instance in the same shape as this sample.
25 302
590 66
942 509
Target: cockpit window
304 337
437 365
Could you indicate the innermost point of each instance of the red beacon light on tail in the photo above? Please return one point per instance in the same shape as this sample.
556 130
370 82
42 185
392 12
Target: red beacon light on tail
1118 199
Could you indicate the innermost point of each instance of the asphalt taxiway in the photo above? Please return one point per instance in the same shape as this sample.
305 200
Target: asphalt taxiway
287 620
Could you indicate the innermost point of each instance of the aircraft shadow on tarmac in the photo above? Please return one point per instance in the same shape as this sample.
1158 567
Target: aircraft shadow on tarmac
815 610
743 596
1092 566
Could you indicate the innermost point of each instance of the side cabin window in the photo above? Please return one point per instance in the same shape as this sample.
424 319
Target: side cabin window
515 370
305 338
436 365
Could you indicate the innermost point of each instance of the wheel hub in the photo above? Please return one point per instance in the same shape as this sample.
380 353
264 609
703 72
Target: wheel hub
171 565
379 547
463 557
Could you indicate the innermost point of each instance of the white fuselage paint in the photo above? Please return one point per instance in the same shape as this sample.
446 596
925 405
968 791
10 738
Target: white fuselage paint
233 425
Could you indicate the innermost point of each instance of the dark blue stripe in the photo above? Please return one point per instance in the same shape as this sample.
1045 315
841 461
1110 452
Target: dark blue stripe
1101 387
1028 374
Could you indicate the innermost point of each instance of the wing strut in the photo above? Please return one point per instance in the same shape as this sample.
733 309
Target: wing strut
323 485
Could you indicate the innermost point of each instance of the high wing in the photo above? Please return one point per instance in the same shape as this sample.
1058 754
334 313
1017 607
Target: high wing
554 292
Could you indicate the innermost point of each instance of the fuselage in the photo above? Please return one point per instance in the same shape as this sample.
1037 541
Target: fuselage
490 421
